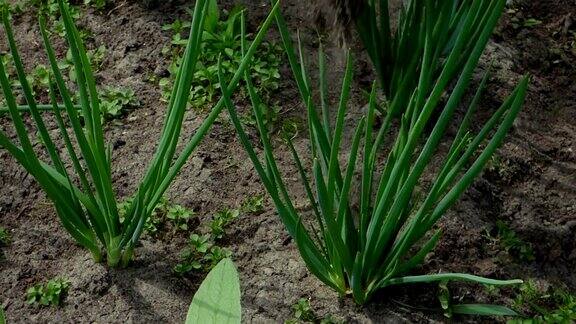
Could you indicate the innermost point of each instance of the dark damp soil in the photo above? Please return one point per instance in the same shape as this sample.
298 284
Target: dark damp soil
530 185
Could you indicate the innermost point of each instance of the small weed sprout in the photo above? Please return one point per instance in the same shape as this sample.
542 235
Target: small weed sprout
201 254
95 56
253 205
270 116
51 9
17 7
200 243
303 313
193 255
215 255
221 220
114 102
512 243
4 237
40 77
96 4
544 305
179 216
152 224
4 241
222 36
50 294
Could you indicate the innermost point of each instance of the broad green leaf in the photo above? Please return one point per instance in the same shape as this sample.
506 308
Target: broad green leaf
217 300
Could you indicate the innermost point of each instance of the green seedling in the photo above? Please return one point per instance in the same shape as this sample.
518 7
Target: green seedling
50 294
254 205
200 243
40 77
270 115
8 64
4 241
531 22
50 8
215 255
4 237
153 222
193 255
201 255
177 28
176 214
290 128
114 102
95 56
303 313
17 7
551 305
82 189
221 220
222 36
96 4
179 216
512 243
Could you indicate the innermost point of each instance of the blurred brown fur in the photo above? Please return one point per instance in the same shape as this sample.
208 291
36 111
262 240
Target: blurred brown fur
338 16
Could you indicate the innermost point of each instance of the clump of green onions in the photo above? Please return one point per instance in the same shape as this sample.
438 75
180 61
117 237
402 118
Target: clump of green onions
426 29
83 192
360 248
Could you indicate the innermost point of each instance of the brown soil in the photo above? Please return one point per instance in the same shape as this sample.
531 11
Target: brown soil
532 187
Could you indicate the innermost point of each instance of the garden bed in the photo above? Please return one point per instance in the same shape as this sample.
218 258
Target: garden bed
529 187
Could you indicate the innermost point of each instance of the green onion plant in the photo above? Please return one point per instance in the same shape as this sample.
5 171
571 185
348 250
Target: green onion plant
426 29
358 243
80 185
